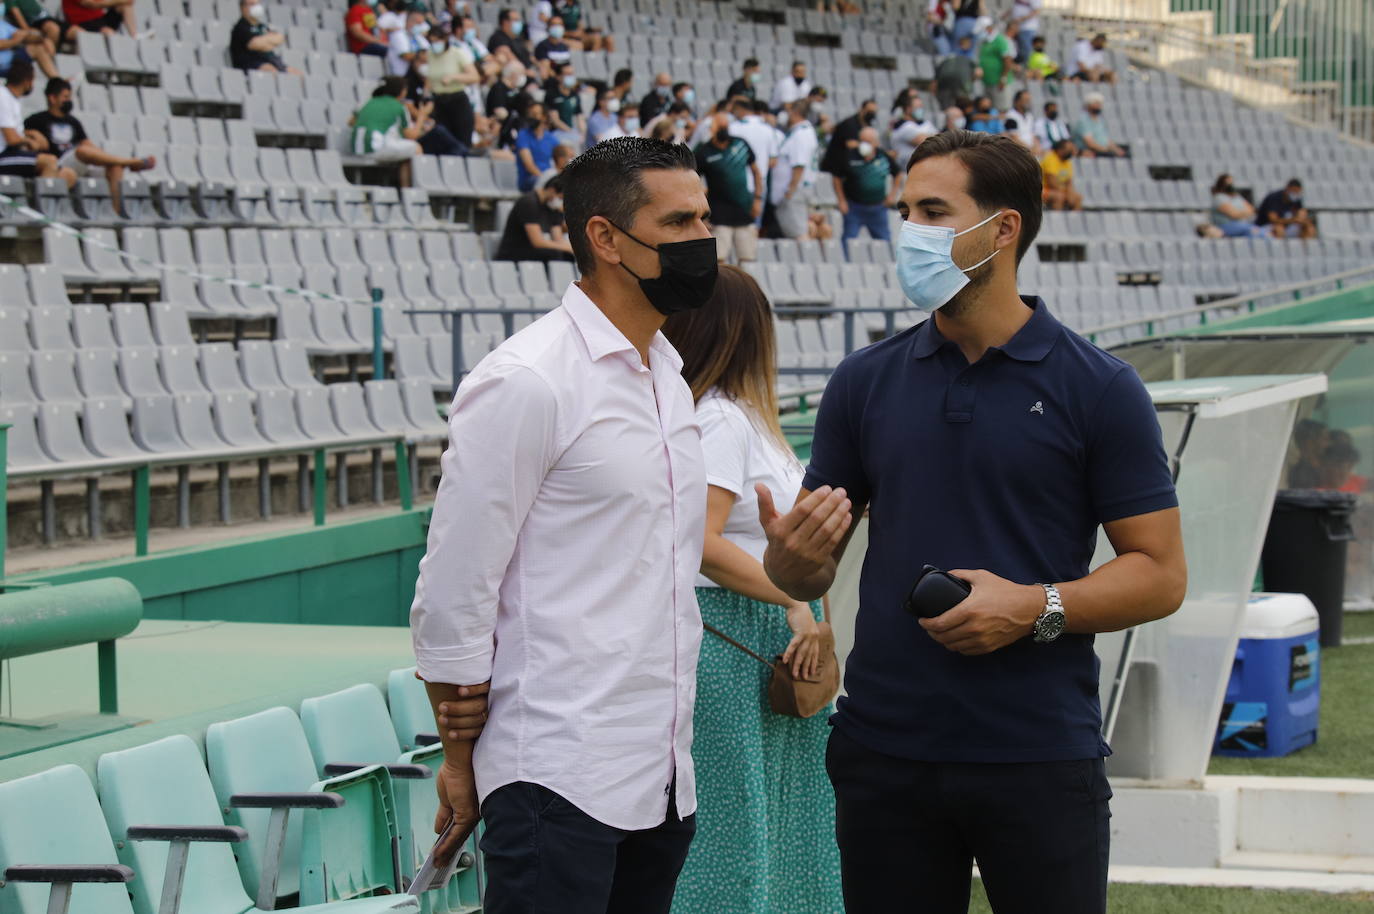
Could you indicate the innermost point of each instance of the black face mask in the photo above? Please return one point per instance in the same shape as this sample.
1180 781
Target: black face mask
869 118
723 135
687 274
66 107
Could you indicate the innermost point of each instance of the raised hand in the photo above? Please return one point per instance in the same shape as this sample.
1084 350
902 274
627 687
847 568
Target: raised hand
801 542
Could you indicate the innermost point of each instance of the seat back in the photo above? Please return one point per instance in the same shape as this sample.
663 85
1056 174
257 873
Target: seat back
107 429
350 411
234 420
384 406
23 450
418 397
53 817
138 370
313 411
164 783
350 726
95 370
60 432
277 416
293 365
411 712
91 324
54 377
220 368
195 422
16 386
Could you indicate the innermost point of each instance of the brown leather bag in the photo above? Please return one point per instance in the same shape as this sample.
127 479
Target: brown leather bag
788 695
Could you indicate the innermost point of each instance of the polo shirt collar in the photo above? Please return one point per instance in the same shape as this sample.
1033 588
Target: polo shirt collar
1031 343
602 337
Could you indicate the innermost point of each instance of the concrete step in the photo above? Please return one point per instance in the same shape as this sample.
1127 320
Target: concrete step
1309 863
1244 878
1324 817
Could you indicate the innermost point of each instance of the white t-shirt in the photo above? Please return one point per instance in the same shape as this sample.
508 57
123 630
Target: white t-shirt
738 455
798 149
787 91
1086 57
401 42
1026 7
11 111
762 140
1025 127
537 29
907 137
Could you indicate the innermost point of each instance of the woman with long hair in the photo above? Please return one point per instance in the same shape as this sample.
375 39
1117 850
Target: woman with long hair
765 839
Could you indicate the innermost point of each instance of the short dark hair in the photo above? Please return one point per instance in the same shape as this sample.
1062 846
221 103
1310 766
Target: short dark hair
678 87
21 71
750 63
1294 182
622 76
1049 103
761 106
1002 174
56 86
506 13
605 181
798 63
391 85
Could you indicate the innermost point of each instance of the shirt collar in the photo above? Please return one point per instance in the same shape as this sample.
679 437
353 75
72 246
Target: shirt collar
1031 343
602 337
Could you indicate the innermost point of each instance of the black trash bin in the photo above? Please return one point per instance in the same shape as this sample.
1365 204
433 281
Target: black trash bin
1304 551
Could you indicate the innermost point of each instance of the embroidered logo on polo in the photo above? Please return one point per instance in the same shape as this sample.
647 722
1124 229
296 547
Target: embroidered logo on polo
1038 408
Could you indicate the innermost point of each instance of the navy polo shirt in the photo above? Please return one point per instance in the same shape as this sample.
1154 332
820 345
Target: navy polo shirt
1009 465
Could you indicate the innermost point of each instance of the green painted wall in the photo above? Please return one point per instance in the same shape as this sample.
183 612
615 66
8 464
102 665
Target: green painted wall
1344 305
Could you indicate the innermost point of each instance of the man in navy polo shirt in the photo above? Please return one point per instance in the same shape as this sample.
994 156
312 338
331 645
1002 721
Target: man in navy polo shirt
991 441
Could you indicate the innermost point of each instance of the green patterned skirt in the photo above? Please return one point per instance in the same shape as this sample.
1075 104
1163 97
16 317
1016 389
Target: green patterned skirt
765 841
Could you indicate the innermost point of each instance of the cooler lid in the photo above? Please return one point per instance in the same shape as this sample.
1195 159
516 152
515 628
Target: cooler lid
1279 615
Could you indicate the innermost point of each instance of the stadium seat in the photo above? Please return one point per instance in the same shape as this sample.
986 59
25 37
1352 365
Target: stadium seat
138 370
50 327
276 411
293 366
418 396
350 411
54 377
385 409
90 326
107 429
195 421
98 376
16 384
154 425
235 421
60 433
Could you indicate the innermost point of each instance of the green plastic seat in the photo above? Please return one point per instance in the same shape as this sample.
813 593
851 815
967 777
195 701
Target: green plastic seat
165 783
329 854
353 726
53 817
411 713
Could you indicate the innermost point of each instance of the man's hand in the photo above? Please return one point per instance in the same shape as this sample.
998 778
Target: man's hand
802 540
464 719
457 801
996 613
842 205
756 208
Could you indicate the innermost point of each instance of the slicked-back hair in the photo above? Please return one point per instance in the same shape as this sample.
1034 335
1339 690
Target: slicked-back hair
1002 174
606 181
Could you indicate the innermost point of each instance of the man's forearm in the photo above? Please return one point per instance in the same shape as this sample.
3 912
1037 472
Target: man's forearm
1130 590
806 588
456 749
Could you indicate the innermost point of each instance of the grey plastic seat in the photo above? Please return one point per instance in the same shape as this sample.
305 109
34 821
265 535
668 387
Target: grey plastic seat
97 375
16 385
107 429
341 247
14 279
277 416
219 368
385 410
131 325
331 326
195 421
154 425
171 325
413 363
418 398
234 421
315 414
294 324
294 366
245 244
23 450
46 285
50 327
60 433
310 250
533 279
138 369
350 411
90 325
180 371
54 377
14 329
259 365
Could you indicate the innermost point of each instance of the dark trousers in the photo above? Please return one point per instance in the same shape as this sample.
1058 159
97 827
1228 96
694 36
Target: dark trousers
453 111
909 833
439 142
543 854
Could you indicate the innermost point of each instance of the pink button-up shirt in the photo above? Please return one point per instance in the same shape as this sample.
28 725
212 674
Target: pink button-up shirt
565 541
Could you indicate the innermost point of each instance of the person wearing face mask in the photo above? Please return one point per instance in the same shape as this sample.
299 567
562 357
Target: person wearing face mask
361 31
913 127
986 118
1025 131
684 94
1090 133
564 546
727 164
794 174
791 87
533 147
627 123
845 137
747 84
452 71
657 99
66 138
1283 214
1232 213
1057 168
553 50
407 43
604 119
992 442
748 124
954 118
25 153
1050 129
866 188
469 39
510 30
684 129
253 44
507 101
534 229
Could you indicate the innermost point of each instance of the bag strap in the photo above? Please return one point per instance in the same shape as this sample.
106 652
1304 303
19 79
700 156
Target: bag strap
728 640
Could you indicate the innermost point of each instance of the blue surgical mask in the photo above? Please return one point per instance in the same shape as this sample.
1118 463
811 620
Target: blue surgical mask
663 90
925 267
555 32
518 26
470 35
631 124
689 97
438 47
570 81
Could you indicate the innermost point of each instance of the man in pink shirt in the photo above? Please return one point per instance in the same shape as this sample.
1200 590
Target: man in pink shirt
563 551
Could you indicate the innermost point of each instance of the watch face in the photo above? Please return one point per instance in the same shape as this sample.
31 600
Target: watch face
1050 627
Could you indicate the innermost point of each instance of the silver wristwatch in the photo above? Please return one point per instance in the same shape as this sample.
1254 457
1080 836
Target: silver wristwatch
1050 624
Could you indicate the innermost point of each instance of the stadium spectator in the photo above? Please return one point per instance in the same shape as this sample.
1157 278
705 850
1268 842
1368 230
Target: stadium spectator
507 95
966 16
622 84
912 128
1338 466
579 33
761 136
726 162
684 94
406 44
1020 122
997 60
681 120
940 26
553 50
65 137
534 146
534 229
699 131
748 82
24 154
563 99
865 191
793 173
1090 61
451 71
955 119
626 124
360 29
32 14
103 16
474 44
1090 133
509 29
603 118
1025 15
845 137
955 74
1050 129
1040 66
791 87
1282 213
537 22
255 45
1056 169
23 44
1232 213
657 99
1311 439
985 117
665 131
384 130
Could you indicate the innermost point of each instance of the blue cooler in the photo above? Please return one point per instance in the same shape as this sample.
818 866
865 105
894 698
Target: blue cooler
1272 698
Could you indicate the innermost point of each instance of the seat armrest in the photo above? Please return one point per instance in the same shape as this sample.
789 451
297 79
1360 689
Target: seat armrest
303 800
69 873
407 772
226 834
426 739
